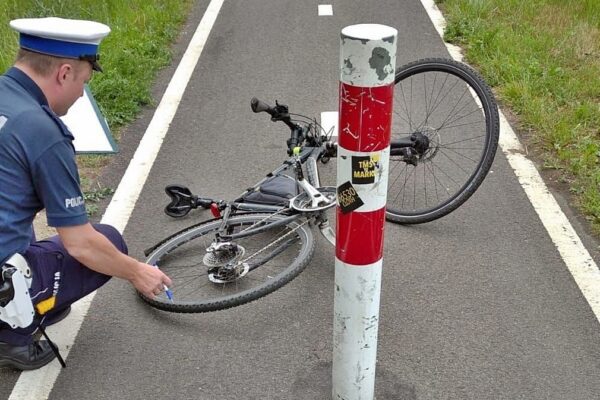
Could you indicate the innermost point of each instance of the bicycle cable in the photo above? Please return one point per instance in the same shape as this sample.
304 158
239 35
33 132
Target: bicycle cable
306 119
264 219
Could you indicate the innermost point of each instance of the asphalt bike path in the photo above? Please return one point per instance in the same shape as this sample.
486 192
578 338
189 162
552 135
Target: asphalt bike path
477 305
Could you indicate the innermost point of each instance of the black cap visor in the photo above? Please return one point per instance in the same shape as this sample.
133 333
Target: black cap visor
92 59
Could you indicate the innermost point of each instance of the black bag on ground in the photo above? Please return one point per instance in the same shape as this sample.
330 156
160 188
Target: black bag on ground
277 191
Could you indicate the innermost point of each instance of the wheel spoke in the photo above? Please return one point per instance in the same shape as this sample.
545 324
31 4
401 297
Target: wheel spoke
280 253
453 116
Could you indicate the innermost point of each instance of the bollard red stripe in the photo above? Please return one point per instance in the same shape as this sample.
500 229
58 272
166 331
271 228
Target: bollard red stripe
359 236
365 117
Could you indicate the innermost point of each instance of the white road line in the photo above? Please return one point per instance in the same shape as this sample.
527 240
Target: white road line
36 385
325 10
576 257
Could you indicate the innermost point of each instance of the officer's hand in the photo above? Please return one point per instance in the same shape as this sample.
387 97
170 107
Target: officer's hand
149 280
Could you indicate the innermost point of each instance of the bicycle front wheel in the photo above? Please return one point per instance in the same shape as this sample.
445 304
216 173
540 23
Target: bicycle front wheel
243 270
450 115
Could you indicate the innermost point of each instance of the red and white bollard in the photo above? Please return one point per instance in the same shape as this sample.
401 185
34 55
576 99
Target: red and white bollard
368 59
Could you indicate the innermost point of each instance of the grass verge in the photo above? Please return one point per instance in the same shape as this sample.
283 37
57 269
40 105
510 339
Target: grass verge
543 59
142 32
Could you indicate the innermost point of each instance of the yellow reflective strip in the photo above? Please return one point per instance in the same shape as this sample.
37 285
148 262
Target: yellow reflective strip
45 305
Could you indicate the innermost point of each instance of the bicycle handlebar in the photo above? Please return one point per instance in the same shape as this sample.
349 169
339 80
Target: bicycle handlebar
299 133
260 106
280 113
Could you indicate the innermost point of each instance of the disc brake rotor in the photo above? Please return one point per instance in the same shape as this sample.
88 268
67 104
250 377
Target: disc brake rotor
434 143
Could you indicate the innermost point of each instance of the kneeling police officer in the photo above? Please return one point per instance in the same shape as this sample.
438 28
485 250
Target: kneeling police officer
38 171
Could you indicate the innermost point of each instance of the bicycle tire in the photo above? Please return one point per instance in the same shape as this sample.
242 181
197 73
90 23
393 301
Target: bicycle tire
423 189
190 244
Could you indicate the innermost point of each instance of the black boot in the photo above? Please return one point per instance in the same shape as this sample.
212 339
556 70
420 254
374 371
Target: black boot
27 357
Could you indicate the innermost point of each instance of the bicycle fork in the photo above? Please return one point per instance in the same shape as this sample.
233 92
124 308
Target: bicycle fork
312 172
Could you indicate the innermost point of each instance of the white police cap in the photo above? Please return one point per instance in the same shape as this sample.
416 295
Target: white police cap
60 37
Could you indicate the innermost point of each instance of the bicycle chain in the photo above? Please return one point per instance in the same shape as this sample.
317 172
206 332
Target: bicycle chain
271 244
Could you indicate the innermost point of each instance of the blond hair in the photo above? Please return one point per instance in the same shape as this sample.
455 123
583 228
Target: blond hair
43 64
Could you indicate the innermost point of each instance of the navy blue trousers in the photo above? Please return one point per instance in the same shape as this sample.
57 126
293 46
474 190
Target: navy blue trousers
56 273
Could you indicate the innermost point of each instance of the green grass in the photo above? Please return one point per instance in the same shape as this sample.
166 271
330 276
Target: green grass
543 59
142 32
138 45
93 194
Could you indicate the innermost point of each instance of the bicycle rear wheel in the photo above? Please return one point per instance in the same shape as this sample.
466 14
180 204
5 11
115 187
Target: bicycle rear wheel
451 116
262 262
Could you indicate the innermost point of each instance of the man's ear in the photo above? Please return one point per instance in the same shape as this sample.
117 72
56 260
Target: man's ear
63 72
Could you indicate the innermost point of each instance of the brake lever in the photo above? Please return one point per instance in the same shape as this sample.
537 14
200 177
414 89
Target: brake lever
282 112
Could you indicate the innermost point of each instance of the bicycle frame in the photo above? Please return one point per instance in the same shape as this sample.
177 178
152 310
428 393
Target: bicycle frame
226 209
308 156
410 147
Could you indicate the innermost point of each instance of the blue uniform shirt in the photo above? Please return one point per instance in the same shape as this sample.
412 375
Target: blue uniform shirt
37 165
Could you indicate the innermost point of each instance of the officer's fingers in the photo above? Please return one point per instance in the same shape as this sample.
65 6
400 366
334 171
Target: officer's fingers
141 286
157 291
167 281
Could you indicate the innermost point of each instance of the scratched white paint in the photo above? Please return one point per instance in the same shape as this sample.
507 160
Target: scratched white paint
374 194
355 327
36 385
378 42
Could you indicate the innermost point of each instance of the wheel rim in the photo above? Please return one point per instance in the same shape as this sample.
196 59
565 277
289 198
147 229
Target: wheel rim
197 284
440 105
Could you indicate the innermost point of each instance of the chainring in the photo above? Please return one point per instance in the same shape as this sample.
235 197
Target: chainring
302 202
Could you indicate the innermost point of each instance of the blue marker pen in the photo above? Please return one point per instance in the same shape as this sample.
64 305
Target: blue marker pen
168 291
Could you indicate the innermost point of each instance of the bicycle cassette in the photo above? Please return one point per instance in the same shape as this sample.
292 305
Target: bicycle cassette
222 254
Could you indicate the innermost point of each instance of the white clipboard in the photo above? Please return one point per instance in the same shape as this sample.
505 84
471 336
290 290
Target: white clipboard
89 127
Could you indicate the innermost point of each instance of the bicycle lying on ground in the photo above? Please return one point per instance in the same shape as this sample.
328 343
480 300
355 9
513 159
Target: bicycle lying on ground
444 138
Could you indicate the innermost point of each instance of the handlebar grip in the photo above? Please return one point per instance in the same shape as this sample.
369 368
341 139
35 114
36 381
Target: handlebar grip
260 106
